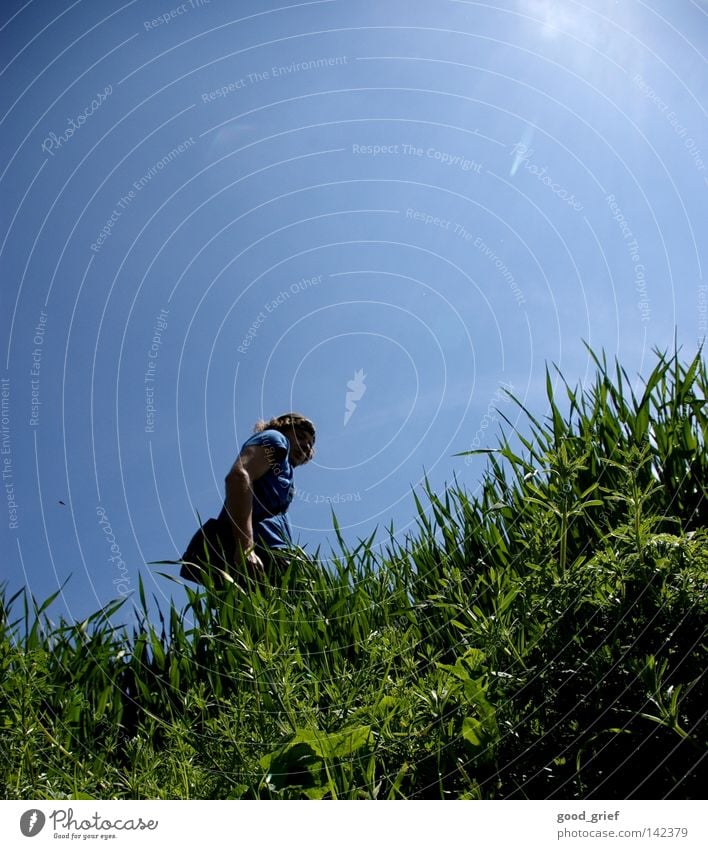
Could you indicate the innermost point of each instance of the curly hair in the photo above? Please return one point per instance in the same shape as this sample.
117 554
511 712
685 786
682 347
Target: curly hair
285 421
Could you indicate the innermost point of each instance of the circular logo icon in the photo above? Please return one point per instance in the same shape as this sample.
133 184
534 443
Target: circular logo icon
32 822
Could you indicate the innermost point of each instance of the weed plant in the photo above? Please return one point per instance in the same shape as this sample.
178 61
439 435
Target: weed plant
544 638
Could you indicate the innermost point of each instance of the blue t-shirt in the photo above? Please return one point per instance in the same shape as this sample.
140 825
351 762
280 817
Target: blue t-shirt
273 492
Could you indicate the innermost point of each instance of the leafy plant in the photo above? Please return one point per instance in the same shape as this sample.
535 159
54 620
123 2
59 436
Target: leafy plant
544 638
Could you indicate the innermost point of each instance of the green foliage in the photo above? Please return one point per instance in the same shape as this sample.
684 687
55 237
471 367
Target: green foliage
545 638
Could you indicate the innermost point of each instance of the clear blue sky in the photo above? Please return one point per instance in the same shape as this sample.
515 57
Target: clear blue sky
215 212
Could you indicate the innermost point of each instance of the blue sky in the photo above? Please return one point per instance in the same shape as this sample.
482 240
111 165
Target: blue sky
216 212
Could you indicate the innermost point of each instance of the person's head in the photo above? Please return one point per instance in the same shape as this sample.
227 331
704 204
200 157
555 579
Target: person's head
299 431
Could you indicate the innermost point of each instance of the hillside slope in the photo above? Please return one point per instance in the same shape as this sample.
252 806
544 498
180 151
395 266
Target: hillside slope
545 638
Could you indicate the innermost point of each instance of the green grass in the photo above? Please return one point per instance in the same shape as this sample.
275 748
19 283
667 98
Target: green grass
544 638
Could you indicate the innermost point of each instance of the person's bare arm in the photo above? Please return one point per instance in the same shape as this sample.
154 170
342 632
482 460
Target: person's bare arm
251 464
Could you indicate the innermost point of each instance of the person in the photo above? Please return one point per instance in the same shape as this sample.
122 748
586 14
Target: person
253 527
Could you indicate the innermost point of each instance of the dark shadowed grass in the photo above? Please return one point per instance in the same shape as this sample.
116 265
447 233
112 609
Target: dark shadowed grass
545 638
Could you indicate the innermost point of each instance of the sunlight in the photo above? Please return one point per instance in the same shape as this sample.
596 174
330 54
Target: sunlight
558 16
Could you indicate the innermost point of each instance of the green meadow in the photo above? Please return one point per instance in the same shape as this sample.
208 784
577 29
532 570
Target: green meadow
543 637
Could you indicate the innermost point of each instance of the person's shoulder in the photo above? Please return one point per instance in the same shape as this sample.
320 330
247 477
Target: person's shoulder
275 438
269 438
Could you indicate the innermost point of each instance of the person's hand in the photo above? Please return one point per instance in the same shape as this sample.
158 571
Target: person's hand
254 562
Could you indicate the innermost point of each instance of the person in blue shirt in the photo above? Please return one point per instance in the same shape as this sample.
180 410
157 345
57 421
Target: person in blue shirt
253 523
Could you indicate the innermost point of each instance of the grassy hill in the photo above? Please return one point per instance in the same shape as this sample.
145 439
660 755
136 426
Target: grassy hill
544 638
